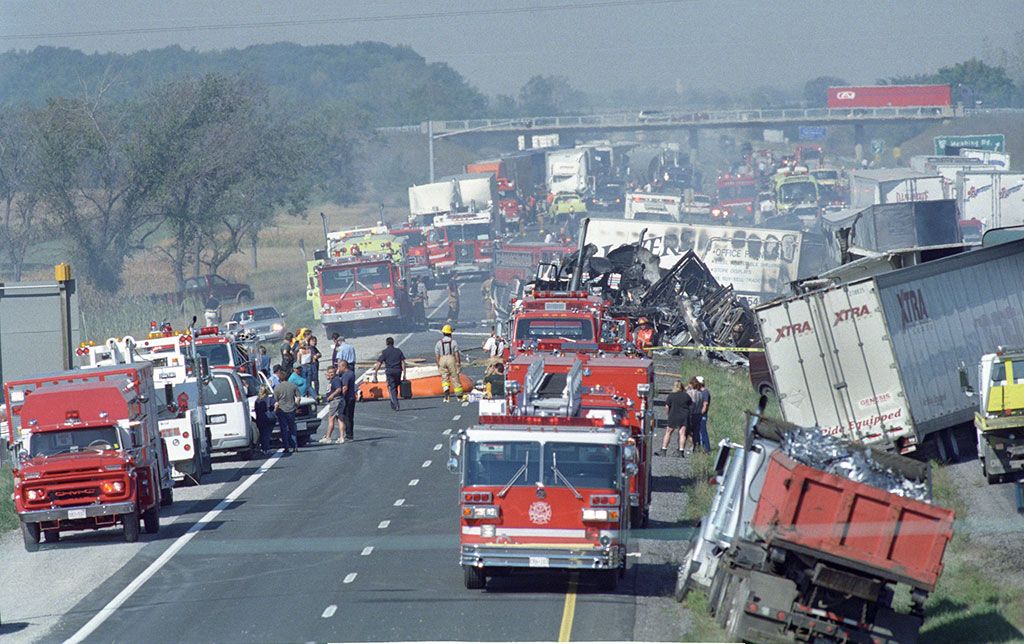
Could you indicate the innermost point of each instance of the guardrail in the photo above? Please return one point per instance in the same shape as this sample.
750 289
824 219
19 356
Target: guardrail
674 119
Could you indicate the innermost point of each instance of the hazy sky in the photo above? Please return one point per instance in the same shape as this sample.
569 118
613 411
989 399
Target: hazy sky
698 44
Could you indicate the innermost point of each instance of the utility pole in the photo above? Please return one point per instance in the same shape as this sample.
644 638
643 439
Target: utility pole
430 148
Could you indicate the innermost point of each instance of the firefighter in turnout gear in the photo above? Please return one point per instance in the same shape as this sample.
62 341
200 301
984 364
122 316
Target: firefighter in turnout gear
449 364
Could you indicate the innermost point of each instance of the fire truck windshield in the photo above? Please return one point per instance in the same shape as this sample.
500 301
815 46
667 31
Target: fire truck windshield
581 465
565 328
465 232
217 355
798 192
336 281
497 463
339 281
71 441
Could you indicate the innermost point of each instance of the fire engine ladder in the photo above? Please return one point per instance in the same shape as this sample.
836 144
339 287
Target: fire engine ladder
552 394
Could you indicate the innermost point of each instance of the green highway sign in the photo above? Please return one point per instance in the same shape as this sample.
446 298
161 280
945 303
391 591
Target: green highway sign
954 143
877 147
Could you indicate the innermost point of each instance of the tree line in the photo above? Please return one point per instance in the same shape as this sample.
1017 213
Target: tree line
191 171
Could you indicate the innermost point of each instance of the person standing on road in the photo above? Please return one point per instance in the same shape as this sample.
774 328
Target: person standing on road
286 401
453 300
335 399
679 406
299 381
693 390
487 295
449 364
263 361
335 342
287 360
264 418
702 427
494 345
274 380
494 383
418 298
394 369
211 311
348 393
312 372
346 352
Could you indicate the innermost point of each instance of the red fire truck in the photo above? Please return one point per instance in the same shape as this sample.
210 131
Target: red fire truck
461 244
614 388
87 452
577 321
360 289
543 492
221 350
737 194
417 256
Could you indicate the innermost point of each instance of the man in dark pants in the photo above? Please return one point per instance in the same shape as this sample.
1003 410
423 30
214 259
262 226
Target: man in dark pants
348 393
286 397
394 369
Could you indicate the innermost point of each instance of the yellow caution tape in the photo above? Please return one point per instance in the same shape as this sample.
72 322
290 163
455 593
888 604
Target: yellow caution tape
707 347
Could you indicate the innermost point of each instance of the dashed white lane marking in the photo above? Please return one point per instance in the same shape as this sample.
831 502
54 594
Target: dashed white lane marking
399 502
426 463
437 448
414 482
465 404
179 543
633 554
366 551
456 416
329 611
383 524
349 578
447 432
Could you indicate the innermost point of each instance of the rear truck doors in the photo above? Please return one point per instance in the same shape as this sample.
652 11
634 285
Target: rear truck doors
834 366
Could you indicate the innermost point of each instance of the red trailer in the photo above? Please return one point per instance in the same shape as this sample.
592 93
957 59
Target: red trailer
890 96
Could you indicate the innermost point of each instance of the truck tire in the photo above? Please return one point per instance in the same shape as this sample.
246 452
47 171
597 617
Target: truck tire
51 536
474 577
638 517
167 497
725 599
151 519
715 590
992 479
130 522
30 535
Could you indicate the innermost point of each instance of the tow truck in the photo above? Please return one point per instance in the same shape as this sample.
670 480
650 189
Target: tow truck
999 421
544 488
461 243
87 452
796 195
181 413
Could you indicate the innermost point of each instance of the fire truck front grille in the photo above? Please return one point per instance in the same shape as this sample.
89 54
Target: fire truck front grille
464 253
77 494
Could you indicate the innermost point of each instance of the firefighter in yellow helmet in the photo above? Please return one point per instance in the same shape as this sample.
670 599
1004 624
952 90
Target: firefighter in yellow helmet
449 364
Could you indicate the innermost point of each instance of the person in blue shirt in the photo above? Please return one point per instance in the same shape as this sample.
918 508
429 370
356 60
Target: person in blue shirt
301 383
345 351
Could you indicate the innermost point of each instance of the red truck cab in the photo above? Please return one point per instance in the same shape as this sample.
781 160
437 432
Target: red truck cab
540 494
359 289
613 388
222 350
461 244
88 452
577 321
737 194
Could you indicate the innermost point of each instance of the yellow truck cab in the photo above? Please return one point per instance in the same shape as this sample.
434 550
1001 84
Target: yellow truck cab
999 420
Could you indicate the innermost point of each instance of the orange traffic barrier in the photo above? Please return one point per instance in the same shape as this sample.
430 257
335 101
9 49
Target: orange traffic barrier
425 381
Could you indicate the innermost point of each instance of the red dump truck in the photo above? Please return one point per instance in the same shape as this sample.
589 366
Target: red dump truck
88 452
792 552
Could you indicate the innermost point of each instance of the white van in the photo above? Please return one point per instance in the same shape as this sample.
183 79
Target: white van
228 419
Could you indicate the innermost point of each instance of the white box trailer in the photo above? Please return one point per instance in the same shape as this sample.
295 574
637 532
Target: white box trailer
433 198
999 160
567 171
876 360
994 198
893 185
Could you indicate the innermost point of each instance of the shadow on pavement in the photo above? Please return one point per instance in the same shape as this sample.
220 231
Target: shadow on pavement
13 627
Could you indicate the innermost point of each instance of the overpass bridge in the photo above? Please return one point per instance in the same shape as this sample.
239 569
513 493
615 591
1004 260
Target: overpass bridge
677 120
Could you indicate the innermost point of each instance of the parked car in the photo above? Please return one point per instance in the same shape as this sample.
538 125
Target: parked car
228 418
567 203
202 287
264 321
608 197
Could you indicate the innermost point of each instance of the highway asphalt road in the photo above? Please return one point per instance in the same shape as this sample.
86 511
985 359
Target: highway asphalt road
354 542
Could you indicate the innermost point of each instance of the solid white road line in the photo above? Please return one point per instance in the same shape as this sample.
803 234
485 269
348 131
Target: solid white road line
179 543
456 416
414 482
349 578
399 502
330 611
366 551
383 524
437 448
426 463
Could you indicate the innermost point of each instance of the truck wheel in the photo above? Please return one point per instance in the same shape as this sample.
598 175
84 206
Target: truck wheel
51 536
992 479
715 590
151 518
167 497
131 526
474 577
30 535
